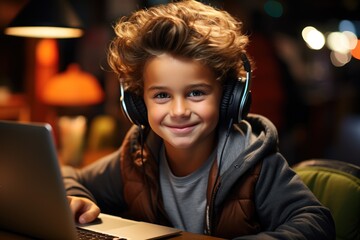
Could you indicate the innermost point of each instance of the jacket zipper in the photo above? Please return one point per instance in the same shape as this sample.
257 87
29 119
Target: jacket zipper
210 210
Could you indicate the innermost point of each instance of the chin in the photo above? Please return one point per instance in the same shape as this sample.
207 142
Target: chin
180 144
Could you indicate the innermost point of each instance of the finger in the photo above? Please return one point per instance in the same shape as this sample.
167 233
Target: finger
75 204
90 214
83 209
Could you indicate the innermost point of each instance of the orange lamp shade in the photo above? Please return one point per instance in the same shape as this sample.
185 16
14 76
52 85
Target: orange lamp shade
73 87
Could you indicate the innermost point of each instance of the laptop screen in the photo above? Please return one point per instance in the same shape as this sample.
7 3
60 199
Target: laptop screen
32 194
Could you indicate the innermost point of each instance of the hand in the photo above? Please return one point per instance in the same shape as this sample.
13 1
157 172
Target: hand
83 209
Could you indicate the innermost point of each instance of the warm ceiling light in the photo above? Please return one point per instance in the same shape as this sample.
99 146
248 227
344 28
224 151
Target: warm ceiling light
44 32
46 19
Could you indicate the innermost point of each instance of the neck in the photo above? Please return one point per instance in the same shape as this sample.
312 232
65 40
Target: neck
183 162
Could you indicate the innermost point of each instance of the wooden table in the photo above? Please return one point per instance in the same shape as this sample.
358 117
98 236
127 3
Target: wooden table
181 236
193 236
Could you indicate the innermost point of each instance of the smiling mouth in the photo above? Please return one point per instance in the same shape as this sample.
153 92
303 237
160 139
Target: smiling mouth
181 129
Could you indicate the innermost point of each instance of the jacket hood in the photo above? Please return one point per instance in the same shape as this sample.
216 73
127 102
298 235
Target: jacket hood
243 150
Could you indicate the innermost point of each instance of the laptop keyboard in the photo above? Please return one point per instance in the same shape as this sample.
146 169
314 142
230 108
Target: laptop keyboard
84 234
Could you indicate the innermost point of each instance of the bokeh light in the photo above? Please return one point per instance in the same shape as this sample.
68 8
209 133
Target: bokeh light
356 51
313 38
339 59
342 42
273 8
346 25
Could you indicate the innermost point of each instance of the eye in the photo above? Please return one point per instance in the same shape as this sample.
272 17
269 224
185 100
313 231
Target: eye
196 93
161 97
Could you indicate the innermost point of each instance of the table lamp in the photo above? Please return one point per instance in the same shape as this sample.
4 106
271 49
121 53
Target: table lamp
73 87
69 89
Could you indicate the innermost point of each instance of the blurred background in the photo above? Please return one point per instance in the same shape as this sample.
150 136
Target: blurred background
306 77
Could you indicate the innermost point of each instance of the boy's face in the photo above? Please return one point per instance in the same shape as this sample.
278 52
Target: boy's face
182 99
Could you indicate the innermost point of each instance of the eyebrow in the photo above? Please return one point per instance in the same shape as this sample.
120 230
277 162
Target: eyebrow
191 86
156 88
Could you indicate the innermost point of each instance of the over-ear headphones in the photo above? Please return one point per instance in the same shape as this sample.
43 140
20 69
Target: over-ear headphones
234 106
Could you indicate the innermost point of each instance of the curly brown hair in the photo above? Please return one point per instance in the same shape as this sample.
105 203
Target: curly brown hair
188 29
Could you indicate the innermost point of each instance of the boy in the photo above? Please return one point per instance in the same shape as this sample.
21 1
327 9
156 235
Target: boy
194 159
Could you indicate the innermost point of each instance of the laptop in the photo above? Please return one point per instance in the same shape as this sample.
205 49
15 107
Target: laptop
33 201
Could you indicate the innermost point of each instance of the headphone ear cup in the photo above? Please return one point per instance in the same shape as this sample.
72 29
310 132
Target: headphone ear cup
236 107
235 104
135 109
225 102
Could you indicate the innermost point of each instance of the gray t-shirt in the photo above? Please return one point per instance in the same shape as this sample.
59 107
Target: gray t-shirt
185 197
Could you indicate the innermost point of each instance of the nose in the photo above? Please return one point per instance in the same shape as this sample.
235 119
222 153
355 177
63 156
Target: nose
179 108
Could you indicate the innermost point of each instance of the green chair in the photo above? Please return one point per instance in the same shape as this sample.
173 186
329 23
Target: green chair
337 186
